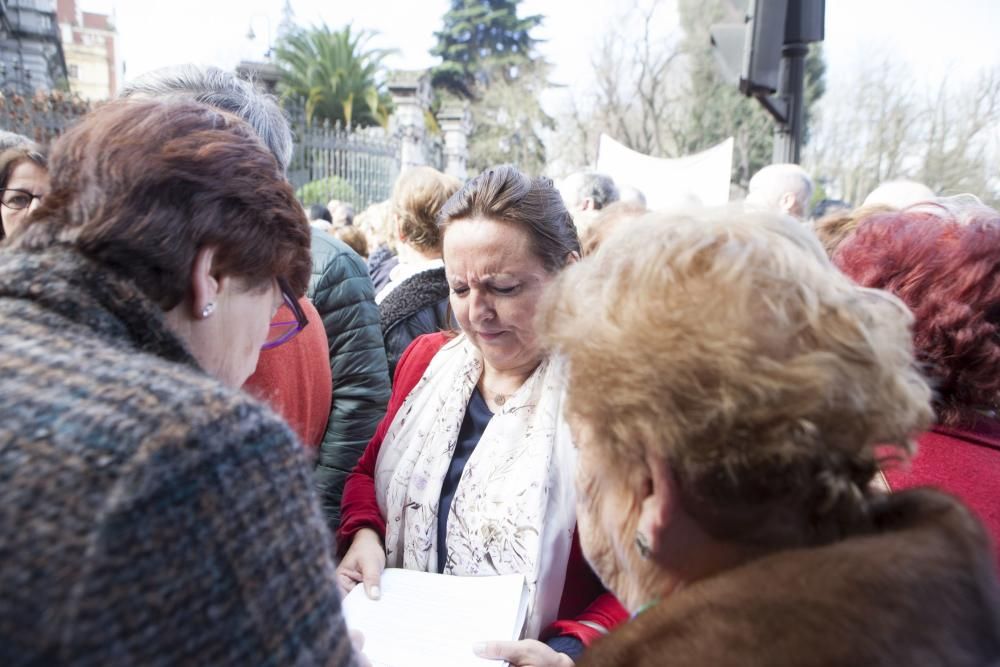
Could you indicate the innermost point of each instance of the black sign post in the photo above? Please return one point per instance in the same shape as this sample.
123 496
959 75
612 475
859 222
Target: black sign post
775 39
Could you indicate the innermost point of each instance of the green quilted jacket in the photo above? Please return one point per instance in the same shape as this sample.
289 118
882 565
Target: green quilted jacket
342 292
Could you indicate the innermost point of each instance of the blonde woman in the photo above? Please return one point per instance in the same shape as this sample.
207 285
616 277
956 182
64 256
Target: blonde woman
415 301
726 389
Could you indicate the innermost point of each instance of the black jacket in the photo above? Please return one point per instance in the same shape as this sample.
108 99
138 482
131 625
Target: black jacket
418 306
342 293
380 264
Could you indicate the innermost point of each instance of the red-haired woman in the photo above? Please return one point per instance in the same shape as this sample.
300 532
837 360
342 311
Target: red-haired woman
943 261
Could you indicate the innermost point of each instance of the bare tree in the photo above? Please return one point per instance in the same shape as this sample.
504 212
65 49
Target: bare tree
862 139
636 88
960 153
887 128
662 95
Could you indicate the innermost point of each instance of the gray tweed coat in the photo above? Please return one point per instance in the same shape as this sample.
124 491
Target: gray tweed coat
148 515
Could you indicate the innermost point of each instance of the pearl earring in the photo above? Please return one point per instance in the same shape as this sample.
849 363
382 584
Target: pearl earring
208 310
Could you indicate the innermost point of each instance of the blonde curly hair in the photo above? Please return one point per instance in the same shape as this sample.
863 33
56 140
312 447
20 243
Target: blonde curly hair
729 344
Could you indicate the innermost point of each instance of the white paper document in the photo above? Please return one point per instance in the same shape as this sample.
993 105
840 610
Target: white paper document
425 618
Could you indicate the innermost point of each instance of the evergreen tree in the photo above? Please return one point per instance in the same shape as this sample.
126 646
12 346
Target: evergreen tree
482 41
489 58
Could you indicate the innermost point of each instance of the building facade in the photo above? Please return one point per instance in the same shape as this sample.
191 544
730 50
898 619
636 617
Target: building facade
89 42
31 54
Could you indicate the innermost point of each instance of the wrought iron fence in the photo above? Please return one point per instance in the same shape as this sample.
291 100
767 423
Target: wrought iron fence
351 164
330 161
41 117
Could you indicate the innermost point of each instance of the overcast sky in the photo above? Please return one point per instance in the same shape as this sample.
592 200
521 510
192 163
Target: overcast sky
922 33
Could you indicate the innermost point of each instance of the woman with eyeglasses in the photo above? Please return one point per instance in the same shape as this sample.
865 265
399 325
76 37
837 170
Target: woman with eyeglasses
289 379
24 180
150 511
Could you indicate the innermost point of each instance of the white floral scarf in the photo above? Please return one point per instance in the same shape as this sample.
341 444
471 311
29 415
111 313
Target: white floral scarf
514 509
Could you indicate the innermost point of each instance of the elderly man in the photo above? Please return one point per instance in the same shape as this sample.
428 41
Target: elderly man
585 193
340 289
783 188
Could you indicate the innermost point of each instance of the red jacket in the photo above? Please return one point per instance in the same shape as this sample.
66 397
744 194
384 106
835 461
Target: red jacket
965 463
294 378
584 598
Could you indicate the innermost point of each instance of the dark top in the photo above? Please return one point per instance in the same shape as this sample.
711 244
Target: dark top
345 299
477 417
418 306
380 263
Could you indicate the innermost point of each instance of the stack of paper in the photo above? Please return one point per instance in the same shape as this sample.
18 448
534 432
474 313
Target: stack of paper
433 619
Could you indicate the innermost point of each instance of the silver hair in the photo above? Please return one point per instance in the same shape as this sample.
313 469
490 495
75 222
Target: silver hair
599 188
771 183
226 91
13 140
632 195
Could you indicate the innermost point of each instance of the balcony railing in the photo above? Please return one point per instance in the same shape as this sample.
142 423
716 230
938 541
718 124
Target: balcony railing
31 18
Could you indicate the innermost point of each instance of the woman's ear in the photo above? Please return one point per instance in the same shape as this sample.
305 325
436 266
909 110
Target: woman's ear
572 257
657 508
397 226
205 286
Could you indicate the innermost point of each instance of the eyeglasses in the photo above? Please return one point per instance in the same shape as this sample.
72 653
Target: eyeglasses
282 328
17 199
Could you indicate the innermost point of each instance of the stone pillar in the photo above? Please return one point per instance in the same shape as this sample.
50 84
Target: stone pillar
411 96
456 125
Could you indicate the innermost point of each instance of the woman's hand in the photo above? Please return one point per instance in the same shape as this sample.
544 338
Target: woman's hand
363 563
524 653
358 640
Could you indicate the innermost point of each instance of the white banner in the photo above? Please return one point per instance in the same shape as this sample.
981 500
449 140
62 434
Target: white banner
702 178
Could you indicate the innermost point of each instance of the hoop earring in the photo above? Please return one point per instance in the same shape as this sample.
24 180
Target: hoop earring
208 310
642 545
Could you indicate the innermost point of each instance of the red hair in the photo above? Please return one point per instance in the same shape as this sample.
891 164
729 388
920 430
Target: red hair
945 265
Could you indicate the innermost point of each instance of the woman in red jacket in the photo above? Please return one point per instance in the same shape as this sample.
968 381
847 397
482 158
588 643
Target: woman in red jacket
943 261
471 471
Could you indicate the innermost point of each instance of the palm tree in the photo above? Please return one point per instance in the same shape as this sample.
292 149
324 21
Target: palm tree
335 75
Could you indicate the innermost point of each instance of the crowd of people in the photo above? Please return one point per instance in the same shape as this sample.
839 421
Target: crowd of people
762 435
